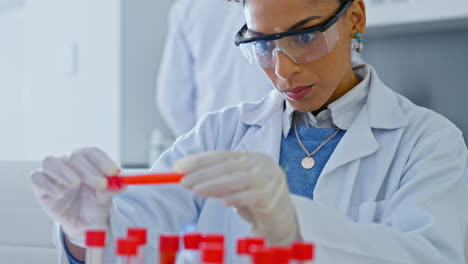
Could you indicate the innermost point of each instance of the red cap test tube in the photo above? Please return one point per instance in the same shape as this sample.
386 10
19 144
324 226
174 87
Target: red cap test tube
168 247
95 242
140 234
192 241
212 253
126 249
245 246
282 254
263 256
302 252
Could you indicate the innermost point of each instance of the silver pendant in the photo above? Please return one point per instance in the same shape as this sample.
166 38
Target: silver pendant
308 163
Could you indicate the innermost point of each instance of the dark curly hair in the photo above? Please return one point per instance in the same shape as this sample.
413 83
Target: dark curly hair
243 1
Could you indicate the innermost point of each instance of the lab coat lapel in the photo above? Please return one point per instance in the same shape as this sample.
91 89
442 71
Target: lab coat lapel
266 119
358 142
339 174
267 138
381 112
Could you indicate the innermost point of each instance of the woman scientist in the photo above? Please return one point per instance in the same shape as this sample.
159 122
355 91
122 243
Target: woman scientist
332 156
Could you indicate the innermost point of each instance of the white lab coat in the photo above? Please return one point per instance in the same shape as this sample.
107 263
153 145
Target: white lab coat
202 70
392 191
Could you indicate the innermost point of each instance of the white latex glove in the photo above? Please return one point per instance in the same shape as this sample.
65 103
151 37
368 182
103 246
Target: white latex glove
72 191
251 182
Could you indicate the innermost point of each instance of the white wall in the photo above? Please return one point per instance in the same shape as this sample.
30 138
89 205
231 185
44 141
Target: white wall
12 46
82 108
59 78
103 101
26 231
429 68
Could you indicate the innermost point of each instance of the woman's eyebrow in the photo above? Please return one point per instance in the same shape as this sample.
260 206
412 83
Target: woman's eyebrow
260 34
303 22
294 27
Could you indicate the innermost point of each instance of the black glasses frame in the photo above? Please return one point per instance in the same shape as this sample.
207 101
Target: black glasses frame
322 27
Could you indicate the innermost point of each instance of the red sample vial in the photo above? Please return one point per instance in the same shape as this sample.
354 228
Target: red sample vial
212 253
263 256
282 254
192 242
245 247
95 243
302 253
126 249
140 234
168 248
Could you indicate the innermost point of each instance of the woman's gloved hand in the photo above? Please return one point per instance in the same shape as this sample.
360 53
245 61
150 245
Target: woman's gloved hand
251 182
72 190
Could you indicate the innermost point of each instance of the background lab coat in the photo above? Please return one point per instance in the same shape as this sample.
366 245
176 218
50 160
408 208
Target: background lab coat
392 192
201 69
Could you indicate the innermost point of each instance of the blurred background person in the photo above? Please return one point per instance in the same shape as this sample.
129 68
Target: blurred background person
201 69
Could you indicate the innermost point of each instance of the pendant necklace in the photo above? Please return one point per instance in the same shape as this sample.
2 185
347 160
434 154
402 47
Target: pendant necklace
309 162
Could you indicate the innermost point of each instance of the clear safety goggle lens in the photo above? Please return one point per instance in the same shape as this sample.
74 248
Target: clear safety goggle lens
300 48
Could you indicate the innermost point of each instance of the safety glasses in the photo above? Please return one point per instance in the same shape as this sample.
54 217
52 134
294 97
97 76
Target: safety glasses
301 46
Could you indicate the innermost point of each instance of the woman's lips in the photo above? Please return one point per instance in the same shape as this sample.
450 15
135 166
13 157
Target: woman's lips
298 92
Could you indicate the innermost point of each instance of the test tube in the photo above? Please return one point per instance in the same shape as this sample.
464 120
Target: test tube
245 246
263 256
119 181
168 247
140 234
95 243
302 253
212 253
191 248
282 254
126 251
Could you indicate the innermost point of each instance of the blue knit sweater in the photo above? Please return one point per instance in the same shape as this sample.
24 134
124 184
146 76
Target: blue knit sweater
302 181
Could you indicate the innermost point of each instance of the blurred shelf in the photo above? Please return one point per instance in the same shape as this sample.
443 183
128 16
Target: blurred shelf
408 16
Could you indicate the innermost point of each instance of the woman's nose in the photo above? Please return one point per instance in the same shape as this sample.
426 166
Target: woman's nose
285 67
